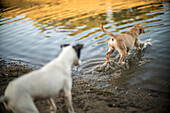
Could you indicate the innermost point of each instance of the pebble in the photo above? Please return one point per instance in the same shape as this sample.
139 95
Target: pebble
88 91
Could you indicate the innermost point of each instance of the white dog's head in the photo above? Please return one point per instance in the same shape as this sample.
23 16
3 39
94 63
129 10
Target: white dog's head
77 49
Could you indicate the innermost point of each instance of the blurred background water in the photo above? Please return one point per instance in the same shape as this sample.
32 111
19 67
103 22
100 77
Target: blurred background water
31 31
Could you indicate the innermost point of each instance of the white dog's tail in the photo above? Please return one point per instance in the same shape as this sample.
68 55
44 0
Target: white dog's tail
4 99
105 31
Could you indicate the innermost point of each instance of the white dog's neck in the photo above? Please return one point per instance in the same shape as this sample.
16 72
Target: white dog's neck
67 55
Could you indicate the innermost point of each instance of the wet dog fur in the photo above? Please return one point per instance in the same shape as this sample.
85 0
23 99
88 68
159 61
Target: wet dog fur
44 83
123 42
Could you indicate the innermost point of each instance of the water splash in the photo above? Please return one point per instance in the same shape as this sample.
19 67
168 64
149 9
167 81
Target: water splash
145 44
133 56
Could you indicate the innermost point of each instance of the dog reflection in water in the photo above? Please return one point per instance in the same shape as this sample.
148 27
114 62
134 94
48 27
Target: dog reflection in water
44 83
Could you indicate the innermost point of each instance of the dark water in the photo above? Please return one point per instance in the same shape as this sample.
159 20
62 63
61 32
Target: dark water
31 31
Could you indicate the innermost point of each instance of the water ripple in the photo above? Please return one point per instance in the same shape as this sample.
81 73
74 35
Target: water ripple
33 30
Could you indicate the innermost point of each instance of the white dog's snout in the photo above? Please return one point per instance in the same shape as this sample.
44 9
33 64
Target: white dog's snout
80 63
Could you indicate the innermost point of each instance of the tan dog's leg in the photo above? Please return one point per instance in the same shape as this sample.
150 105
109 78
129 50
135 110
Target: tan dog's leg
108 54
53 106
137 44
123 54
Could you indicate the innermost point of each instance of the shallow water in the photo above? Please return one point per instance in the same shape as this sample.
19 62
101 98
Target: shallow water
31 31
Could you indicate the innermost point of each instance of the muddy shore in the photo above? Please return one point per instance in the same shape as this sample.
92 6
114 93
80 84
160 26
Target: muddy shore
89 98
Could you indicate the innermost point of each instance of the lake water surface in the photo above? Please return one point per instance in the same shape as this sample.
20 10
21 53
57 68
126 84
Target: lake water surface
31 31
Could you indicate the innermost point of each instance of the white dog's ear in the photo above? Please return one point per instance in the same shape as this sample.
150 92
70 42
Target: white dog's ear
77 48
64 45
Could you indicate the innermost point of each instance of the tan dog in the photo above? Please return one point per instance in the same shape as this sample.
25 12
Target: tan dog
123 42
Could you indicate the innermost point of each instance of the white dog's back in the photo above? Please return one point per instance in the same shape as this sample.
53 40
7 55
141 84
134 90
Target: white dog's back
37 82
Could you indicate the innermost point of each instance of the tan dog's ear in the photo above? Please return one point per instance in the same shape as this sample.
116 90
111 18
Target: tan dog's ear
141 30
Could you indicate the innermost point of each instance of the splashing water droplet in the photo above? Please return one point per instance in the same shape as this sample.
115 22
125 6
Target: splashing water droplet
145 44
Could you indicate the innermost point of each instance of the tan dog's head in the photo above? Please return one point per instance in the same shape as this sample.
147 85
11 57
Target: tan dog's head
140 29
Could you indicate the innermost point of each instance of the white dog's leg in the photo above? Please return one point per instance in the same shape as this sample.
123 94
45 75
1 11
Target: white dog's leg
53 106
68 100
25 104
26 108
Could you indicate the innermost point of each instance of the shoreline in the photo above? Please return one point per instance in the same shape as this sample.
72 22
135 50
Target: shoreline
89 98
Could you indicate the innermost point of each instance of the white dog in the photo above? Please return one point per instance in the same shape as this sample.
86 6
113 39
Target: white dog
44 83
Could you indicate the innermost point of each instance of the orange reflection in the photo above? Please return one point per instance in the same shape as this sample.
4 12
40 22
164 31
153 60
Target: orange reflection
44 11
48 14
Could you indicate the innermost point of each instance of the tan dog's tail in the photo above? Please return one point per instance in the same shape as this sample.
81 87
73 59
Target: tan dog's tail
105 31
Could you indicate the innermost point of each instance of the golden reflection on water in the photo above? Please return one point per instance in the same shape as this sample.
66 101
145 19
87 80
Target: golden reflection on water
74 13
44 11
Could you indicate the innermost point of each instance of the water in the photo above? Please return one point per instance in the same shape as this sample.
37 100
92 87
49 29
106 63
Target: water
31 31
